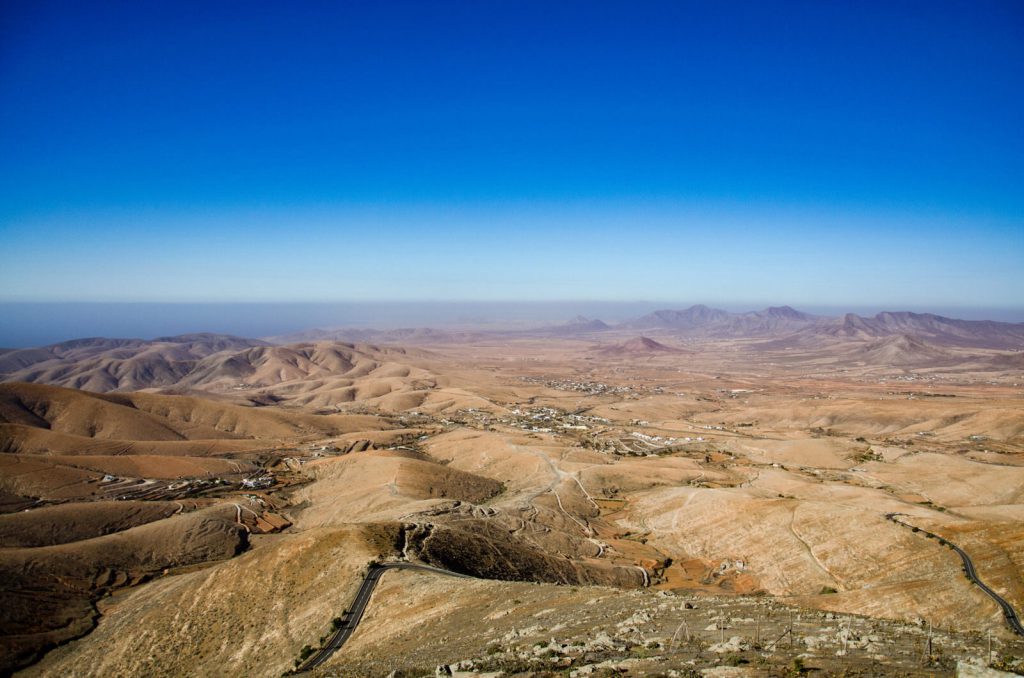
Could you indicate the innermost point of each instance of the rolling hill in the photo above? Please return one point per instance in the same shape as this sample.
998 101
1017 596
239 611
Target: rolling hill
902 350
69 421
100 364
934 328
784 322
702 320
201 363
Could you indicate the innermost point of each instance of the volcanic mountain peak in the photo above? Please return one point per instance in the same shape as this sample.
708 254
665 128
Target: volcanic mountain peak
855 326
704 308
645 344
902 349
690 317
935 328
715 322
700 312
640 345
578 325
785 312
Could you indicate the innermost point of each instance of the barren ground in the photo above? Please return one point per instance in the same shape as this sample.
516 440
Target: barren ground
640 509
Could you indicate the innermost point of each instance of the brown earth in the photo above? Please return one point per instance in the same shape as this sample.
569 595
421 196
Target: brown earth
734 475
49 592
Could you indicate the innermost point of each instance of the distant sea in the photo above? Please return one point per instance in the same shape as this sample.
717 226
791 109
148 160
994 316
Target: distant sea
25 324
37 324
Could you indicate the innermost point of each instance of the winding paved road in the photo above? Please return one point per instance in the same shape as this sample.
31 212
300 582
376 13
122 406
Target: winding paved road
350 620
1008 612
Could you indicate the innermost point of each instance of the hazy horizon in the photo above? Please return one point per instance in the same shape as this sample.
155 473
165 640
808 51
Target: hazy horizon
28 324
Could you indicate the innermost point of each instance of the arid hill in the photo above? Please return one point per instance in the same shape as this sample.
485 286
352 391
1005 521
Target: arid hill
66 523
580 325
701 320
50 592
784 321
695 316
639 346
934 328
329 373
626 506
207 364
901 350
100 364
36 419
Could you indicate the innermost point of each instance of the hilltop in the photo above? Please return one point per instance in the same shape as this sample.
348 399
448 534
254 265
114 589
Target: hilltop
780 321
903 349
639 346
934 328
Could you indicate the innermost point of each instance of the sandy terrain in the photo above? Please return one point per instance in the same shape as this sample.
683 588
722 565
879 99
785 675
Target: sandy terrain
743 479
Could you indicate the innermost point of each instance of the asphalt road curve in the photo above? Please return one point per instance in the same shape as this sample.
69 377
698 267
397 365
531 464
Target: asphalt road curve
350 620
1008 612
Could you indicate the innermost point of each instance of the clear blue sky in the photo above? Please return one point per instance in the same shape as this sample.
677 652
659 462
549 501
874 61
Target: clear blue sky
811 153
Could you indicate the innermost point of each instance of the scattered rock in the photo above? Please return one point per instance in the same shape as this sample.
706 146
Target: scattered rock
969 670
734 644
